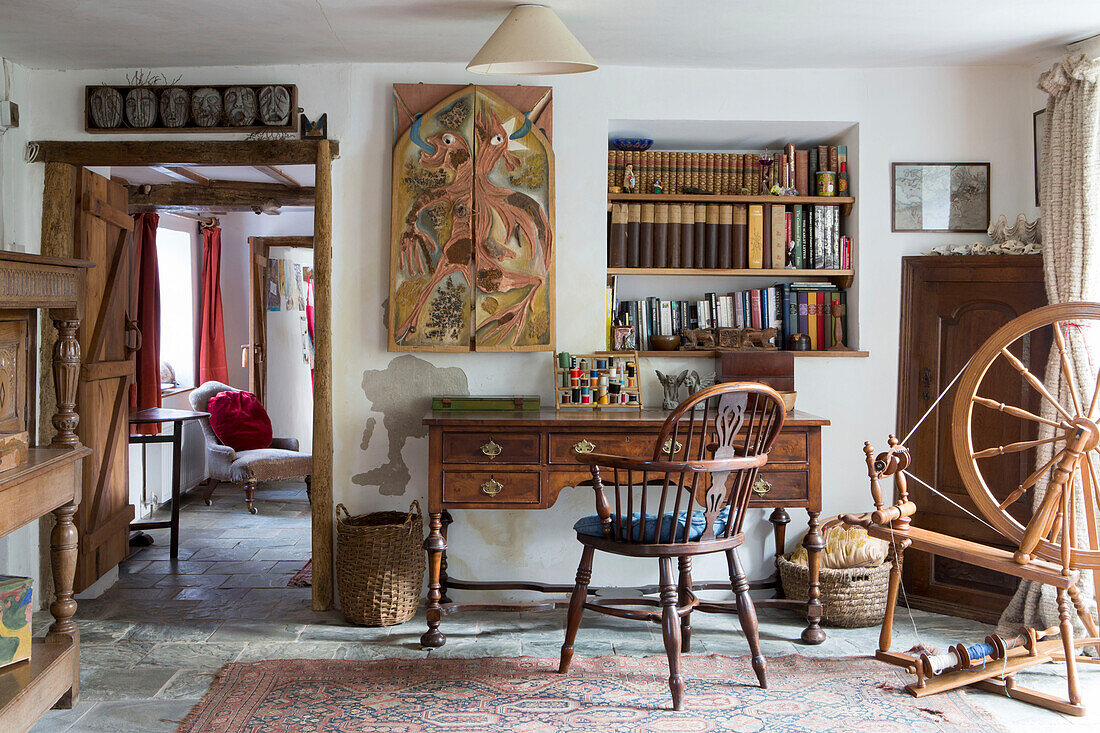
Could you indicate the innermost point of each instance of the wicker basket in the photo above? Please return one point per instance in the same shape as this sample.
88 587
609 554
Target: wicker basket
379 565
850 597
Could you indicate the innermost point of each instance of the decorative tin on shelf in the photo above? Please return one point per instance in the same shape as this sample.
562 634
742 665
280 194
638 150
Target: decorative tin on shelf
15 619
486 403
602 381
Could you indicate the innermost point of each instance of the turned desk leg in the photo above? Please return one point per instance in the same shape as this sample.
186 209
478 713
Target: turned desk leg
63 545
779 519
814 544
66 375
447 520
435 545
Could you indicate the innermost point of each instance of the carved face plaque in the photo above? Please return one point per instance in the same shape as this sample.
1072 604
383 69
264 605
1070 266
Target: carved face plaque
106 105
141 107
240 106
174 108
206 107
274 105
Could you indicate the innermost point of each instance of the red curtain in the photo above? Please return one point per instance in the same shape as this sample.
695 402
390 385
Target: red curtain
309 318
212 364
145 390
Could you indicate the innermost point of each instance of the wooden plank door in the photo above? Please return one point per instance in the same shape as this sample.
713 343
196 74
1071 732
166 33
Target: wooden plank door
108 339
257 319
950 306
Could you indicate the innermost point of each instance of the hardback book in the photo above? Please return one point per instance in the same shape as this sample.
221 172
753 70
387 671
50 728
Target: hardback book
811 172
822 320
673 259
834 159
645 241
754 173
700 255
823 158
803 312
756 237
725 236
687 235
767 243
616 255
711 249
757 313
796 236
811 311
660 236
712 308
740 236
665 310
633 224
779 236
802 172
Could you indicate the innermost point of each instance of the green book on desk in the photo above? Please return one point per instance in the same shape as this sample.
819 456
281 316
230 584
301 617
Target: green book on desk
486 403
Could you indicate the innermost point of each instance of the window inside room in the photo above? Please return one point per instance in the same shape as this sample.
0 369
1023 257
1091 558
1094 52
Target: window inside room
175 265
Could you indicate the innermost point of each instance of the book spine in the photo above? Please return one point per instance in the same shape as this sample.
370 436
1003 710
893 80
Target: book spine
611 169
811 177
756 237
790 318
740 244
788 238
834 159
725 236
725 166
811 310
779 236
754 174
803 313
633 235
796 244
712 309
822 319
660 235
757 315
819 236
666 171
789 167
700 237
767 243
823 157
802 172
712 181
666 317
616 256
645 241
673 236
687 235
804 245
712 236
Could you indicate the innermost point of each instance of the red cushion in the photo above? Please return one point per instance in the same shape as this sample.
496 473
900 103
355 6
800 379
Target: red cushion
239 420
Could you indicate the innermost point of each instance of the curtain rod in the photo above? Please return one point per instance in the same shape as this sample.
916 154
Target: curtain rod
209 222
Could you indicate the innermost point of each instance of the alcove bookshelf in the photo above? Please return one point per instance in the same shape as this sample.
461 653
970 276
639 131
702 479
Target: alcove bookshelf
725 141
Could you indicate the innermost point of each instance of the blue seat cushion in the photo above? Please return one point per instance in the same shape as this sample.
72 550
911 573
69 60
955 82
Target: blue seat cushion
591 526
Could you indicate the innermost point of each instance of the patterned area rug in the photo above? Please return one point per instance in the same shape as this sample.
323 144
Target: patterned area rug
303 578
605 694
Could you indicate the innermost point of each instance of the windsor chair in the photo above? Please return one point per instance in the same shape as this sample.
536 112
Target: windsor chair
678 509
1048 548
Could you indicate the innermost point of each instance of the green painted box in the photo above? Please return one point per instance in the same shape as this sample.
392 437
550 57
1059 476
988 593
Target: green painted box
15 619
486 403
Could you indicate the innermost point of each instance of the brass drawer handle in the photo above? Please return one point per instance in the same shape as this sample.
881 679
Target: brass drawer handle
761 486
492 487
668 449
584 446
491 449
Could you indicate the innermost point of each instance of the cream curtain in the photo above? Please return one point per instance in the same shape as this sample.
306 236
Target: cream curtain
1069 194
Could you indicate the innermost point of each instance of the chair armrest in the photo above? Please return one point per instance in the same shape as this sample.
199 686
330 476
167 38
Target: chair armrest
223 452
285 444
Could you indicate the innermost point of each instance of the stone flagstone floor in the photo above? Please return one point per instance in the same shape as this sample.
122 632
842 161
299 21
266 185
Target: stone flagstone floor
151 645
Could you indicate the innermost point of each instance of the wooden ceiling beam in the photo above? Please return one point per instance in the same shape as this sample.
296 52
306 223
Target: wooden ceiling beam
177 152
222 195
286 241
278 175
180 173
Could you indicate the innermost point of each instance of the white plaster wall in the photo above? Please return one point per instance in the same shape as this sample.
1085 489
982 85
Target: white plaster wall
933 114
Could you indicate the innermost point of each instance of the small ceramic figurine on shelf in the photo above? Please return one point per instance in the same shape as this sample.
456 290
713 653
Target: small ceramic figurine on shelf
629 181
658 186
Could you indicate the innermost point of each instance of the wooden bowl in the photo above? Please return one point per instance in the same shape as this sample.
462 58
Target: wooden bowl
788 400
664 343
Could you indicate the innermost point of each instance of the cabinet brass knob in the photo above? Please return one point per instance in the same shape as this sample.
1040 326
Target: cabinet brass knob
761 486
667 448
584 447
492 487
491 449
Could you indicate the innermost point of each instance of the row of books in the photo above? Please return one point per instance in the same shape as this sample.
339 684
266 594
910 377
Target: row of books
790 308
727 236
727 173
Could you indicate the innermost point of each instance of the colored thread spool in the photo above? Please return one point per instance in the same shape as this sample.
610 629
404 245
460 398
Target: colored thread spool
601 364
563 360
942 662
565 398
575 394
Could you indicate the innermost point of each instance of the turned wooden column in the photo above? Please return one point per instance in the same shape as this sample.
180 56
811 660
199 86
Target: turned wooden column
63 544
66 375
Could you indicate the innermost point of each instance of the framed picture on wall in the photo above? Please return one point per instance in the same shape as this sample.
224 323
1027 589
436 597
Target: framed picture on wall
939 197
1039 139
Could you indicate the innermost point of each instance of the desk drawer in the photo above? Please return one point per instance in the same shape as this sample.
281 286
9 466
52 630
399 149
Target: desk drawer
631 445
491 487
790 447
786 486
479 447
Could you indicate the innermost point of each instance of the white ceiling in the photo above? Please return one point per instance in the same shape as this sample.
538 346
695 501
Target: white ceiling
90 34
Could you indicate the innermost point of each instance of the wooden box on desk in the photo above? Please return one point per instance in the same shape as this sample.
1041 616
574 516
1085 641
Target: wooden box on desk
15 619
773 368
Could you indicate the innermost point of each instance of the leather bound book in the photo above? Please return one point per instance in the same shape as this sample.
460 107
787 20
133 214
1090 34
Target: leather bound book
616 255
788 165
700 239
726 167
823 158
811 174
779 236
666 170
645 241
611 169
834 159
687 235
802 172
660 236
712 183
766 240
725 236
673 235
754 169
823 318
756 236
740 236
711 249
738 171
633 236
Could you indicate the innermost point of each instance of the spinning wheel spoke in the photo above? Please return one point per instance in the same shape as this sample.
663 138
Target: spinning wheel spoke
1095 396
1019 412
1030 481
1034 382
1067 371
1001 450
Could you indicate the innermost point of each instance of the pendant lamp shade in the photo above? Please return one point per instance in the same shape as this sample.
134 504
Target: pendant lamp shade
532 40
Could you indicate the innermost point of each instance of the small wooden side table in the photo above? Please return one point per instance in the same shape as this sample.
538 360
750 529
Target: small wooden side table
177 418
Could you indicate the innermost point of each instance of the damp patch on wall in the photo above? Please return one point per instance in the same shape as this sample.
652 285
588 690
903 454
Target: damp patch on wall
402 393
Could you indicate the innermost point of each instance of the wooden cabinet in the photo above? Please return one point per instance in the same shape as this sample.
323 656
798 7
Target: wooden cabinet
950 305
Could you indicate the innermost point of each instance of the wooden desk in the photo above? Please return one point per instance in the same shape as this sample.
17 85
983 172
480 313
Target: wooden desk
537 459
177 418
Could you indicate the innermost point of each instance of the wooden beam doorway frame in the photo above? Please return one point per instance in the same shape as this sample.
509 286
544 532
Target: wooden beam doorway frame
64 159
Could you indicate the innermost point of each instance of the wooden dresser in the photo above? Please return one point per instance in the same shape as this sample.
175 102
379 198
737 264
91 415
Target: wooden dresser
49 481
522 460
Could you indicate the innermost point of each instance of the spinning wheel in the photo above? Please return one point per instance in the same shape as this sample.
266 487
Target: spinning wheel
1072 433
